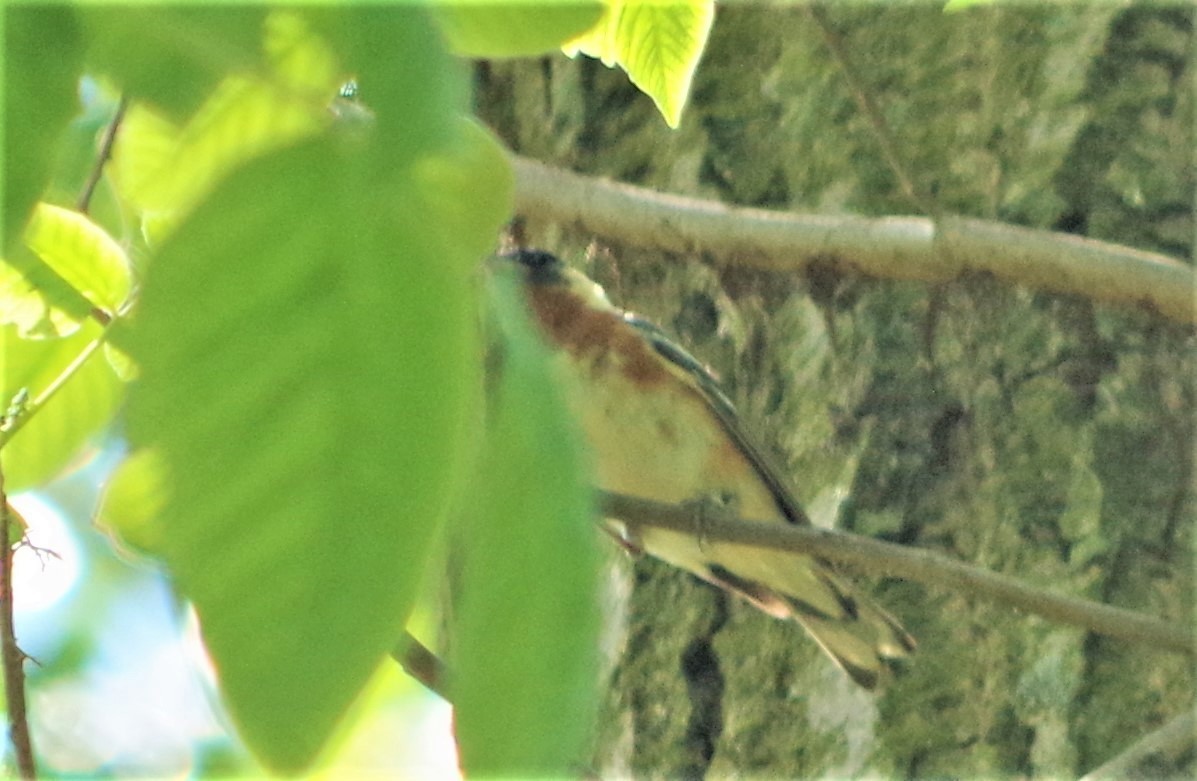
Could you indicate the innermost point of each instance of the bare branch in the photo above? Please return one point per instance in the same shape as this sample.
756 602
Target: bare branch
105 152
11 656
868 107
421 664
1172 739
882 558
888 247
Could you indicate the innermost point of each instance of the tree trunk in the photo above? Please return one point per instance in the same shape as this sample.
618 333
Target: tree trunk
1042 436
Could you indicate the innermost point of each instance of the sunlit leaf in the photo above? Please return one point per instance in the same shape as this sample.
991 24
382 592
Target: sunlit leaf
519 28
25 299
525 639
131 508
144 153
17 528
658 44
393 83
82 253
960 5
69 267
80 409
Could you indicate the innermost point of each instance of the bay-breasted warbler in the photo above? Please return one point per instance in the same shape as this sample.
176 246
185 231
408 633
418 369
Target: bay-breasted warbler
660 428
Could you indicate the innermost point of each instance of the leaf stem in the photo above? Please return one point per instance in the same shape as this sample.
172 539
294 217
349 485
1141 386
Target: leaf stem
10 427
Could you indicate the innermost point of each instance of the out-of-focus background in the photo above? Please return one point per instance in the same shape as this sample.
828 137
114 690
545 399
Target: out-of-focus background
119 685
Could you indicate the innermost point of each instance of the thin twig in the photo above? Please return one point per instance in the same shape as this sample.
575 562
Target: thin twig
881 558
421 664
11 656
914 248
12 425
1173 739
864 98
102 156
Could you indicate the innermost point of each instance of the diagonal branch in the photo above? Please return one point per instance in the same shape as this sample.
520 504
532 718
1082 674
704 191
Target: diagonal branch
916 248
93 179
882 558
1173 739
868 107
866 554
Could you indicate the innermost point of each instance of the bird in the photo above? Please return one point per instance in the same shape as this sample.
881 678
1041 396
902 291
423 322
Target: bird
659 427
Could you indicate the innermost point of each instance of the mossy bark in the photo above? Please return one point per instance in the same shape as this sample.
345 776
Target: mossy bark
1036 435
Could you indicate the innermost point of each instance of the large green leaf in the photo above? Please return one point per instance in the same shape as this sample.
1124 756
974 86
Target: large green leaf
306 364
39 98
525 641
514 28
658 44
79 410
471 187
161 169
307 342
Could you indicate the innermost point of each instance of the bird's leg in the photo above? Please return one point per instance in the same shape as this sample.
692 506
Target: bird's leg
712 506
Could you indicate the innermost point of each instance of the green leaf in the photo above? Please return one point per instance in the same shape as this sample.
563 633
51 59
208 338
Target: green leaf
161 170
133 501
308 399
306 368
82 253
392 82
658 44
39 99
471 186
79 411
75 266
36 300
525 641
309 365
960 5
519 28
171 56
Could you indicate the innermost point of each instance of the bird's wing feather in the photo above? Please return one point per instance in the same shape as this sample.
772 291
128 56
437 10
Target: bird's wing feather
723 410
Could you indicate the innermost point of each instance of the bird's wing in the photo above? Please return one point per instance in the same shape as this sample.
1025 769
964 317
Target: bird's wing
862 633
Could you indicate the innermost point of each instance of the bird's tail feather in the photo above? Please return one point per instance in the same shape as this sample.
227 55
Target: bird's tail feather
858 634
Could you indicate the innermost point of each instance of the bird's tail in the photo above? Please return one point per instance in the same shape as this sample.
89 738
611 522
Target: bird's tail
861 644
854 631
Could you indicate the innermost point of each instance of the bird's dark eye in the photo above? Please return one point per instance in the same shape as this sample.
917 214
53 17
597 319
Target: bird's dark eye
543 268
